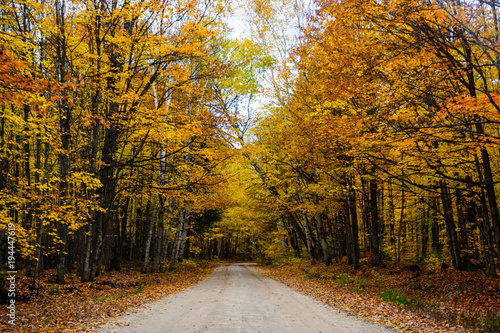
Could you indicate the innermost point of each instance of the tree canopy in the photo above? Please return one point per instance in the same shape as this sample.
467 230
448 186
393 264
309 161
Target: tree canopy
350 130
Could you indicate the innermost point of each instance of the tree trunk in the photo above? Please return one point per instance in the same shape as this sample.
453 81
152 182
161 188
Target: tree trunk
425 232
400 227
436 244
38 221
170 218
374 225
177 242
463 242
451 231
96 245
279 226
492 201
185 229
486 237
304 220
149 235
94 109
159 236
327 255
64 124
354 225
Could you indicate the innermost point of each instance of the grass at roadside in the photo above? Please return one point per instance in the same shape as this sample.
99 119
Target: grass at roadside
405 296
81 307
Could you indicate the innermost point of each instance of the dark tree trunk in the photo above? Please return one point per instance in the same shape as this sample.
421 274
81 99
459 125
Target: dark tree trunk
354 225
64 124
425 232
485 234
159 236
185 230
436 244
463 242
149 235
451 231
374 224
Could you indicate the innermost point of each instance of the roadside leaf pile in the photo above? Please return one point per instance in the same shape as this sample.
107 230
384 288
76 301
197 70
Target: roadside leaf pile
405 296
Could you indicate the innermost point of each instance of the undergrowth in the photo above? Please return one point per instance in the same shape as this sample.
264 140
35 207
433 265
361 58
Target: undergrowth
81 306
452 300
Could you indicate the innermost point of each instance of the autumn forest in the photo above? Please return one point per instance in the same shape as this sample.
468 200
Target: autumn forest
149 133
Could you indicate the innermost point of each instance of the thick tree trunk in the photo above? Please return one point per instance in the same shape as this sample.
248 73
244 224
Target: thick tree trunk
374 225
92 237
64 124
425 232
177 242
485 236
327 255
436 243
451 231
96 246
297 227
400 227
348 233
159 236
354 225
279 226
305 222
38 221
94 147
463 242
149 235
185 229
170 218
492 201
88 251
485 227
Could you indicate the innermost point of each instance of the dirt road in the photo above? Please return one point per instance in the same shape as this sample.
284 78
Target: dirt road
237 299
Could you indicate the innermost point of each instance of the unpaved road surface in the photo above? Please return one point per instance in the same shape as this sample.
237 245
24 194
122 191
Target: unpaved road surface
237 299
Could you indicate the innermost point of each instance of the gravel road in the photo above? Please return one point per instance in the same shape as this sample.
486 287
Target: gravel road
237 299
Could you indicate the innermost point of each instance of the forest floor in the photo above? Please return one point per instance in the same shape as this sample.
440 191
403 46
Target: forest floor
80 307
409 297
